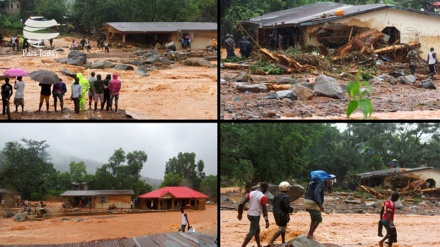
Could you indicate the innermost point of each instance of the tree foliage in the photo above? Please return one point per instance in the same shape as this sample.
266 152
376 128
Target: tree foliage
185 165
209 186
272 152
26 169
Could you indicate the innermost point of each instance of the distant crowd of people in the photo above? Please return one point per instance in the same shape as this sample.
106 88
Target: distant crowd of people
106 91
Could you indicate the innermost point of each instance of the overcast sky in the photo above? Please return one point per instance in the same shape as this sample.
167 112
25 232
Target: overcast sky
98 141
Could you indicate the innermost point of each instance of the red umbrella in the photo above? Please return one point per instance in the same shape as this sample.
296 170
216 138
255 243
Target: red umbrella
14 72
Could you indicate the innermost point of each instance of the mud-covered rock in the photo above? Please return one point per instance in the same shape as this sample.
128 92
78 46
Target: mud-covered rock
255 88
304 241
123 67
302 92
328 86
428 84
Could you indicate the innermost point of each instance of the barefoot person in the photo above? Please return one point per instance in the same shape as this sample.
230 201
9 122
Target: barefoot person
257 202
281 211
314 199
388 219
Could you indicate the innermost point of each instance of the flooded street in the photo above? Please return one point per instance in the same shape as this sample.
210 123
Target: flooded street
174 92
337 229
88 228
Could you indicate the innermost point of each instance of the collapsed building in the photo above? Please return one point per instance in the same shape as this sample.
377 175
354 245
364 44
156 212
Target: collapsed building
333 25
403 179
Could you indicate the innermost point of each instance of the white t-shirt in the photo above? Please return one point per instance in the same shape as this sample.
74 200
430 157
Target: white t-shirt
432 60
184 219
19 92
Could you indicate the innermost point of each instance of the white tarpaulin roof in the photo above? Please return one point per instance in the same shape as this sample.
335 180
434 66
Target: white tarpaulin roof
45 24
40 36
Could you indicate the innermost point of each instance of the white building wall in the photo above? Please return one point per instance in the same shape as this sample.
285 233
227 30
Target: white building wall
412 26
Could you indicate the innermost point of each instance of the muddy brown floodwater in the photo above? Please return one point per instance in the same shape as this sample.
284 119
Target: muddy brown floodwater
102 227
176 92
337 229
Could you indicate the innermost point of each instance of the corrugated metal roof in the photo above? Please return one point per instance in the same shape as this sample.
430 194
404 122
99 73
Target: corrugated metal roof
148 27
313 14
97 192
391 171
176 192
172 239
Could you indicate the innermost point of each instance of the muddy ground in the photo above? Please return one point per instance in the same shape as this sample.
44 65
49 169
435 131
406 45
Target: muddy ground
343 224
175 92
59 229
397 101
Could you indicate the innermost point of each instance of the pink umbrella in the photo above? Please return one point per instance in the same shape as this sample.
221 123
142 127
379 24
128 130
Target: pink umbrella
14 72
436 4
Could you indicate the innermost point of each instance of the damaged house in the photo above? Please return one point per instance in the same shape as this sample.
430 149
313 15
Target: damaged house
333 25
404 179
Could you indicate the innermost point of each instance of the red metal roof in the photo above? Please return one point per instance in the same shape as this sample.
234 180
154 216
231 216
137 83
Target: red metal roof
176 192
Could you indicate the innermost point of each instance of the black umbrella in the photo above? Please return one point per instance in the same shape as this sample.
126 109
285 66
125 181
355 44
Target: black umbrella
44 76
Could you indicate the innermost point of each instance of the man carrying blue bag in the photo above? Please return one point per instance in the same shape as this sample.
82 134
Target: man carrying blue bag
314 199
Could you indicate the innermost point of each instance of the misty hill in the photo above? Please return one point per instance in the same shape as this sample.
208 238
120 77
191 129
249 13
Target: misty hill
61 163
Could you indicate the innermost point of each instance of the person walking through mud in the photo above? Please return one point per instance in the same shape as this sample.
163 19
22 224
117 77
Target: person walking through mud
281 211
314 199
388 220
257 203
432 61
412 56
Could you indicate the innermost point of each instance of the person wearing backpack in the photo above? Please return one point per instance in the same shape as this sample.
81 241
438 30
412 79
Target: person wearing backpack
6 94
314 199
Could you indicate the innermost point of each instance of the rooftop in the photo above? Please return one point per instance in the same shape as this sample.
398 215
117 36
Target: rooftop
391 171
97 192
176 192
148 27
319 13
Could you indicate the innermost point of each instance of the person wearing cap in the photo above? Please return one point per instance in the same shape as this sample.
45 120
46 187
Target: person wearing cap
281 211
314 199
257 203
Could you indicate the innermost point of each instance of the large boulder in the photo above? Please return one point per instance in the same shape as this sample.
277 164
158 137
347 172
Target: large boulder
142 70
77 58
302 92
407 79
195 61
255 88
20 217
152 59
328 86
101 65
428 84
285 80
170 46
385 78
68 73
123 67
151 53
303 241
241 77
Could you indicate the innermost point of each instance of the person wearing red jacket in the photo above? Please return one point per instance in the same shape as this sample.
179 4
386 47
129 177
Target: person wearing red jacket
114 87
